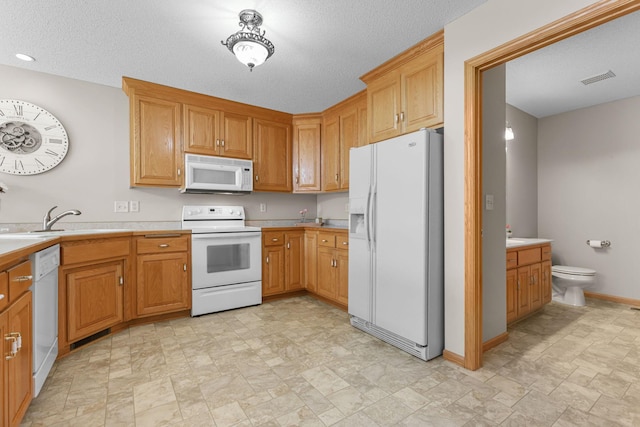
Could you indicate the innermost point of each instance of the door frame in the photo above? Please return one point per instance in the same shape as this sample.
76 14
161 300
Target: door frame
577 22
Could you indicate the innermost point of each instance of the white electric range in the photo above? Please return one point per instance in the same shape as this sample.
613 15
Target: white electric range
226 259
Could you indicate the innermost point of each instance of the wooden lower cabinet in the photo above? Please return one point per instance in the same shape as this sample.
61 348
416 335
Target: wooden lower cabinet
162 274
311 260
333 267
16 329
282 261
528 280
95 299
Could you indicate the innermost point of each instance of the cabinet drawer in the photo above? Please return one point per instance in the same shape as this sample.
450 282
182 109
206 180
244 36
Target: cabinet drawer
327 240
20 279
150 245
273 238
94 250
546 253
4 290
529 256
512 259
342 241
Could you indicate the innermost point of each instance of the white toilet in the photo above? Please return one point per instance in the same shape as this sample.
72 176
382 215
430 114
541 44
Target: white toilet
569 283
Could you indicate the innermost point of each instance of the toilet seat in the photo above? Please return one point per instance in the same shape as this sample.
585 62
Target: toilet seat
573 271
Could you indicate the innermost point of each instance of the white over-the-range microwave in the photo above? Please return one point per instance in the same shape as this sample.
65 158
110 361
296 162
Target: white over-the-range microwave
222 175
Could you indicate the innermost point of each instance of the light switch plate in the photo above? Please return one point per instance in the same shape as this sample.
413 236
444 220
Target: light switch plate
489 202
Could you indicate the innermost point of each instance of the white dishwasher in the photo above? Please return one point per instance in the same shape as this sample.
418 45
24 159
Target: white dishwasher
44 265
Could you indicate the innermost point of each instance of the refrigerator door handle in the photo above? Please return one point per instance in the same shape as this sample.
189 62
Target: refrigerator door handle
372 217
367 213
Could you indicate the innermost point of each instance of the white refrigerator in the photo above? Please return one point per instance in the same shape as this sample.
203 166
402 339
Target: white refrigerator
396 261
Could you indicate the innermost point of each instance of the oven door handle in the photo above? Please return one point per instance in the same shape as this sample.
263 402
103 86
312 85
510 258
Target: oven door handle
222 235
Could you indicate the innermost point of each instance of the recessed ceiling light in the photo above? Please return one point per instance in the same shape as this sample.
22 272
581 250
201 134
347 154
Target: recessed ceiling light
25 57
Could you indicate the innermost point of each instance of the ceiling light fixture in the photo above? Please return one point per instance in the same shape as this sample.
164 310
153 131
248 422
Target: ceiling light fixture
24 57
249 44
508 133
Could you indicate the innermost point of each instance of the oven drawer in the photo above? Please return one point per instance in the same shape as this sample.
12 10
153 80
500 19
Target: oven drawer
153 244
273 238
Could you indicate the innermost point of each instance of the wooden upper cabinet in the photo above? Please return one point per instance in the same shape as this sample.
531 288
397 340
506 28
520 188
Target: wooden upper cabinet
331 153
344 128
406 93
272 156
216 133
306 153
156 152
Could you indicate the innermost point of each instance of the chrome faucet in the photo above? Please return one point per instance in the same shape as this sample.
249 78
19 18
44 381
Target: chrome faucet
47 221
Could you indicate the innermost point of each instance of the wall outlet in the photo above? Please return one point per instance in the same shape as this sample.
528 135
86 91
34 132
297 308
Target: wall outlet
346 207
121 206
263 207
489 202
134 206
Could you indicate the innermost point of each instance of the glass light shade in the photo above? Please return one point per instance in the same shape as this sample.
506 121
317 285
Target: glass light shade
508 133
250 53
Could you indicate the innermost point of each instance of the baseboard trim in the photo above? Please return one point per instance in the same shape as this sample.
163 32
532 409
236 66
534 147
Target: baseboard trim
495 341
612 298
453 357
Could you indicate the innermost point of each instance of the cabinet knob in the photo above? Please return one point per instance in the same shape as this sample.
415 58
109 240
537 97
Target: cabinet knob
256 177
179 172
288 245
267 260
222 142
275 239
336 177
217 142
396 119
163 245
1 296
402 116
184 267
324 240
23 278
345 243
121 280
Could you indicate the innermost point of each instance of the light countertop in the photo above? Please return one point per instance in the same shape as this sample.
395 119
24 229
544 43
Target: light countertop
517 242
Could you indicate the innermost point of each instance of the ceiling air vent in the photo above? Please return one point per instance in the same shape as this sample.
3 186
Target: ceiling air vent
608 75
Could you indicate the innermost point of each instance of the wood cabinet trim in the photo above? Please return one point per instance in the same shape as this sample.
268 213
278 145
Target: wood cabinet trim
408 55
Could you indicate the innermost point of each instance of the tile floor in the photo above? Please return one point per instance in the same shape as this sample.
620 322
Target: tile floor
299 362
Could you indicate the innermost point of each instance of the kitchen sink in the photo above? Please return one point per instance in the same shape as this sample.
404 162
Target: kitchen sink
53 233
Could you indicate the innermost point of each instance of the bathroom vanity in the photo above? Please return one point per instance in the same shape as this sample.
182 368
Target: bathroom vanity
528 276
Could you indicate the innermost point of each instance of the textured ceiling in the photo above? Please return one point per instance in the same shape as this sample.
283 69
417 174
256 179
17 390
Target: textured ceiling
548 81
322 47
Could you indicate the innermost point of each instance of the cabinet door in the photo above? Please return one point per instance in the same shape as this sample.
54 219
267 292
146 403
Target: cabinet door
162 284
535 287
546 281
306 156
349 138
421 83
19 367
94 299
237 140
331 154
524 304
383 106
4 415
202 131
272 270
157 151
311 260
272 156
512 295
342 277
294 261
326 273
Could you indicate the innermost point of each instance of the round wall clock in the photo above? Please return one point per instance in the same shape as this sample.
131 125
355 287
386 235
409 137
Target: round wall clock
32 140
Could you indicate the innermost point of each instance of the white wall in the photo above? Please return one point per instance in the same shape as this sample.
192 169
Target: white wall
486 27
95 172
494 289
522 174
588 189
